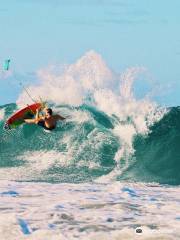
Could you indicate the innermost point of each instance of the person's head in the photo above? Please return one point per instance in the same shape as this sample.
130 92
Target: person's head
48 112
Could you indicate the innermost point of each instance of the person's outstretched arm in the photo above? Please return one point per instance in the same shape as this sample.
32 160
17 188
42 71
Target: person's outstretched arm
35 120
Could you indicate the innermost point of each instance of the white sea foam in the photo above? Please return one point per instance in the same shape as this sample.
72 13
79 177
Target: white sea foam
44 211
43 160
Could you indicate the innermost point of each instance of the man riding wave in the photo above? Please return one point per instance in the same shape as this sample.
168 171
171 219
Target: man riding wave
48 121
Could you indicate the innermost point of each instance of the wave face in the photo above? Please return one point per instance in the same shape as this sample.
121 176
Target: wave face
157 156
110 133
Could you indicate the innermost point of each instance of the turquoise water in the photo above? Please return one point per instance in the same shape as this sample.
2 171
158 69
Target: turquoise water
157 155
81 151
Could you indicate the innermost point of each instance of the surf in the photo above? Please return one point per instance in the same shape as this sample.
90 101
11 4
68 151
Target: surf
111 133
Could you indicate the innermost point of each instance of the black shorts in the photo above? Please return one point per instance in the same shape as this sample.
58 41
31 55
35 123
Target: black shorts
42 124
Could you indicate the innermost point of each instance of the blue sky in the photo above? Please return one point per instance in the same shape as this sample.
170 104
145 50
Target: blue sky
36 33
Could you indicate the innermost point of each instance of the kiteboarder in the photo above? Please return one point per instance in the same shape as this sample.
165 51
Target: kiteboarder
48 121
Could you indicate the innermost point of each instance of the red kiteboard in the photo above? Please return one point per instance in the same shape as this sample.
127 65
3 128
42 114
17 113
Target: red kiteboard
18 118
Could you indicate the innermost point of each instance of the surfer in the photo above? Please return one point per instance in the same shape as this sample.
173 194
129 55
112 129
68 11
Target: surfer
47 121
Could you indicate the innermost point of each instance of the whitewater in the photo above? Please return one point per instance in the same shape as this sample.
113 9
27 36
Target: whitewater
110 168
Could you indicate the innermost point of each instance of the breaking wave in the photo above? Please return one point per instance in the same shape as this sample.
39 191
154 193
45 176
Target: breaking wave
110 133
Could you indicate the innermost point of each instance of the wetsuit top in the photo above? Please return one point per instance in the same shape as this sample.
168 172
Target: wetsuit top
42 124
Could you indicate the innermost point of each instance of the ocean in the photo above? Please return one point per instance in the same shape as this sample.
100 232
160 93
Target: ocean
109 171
